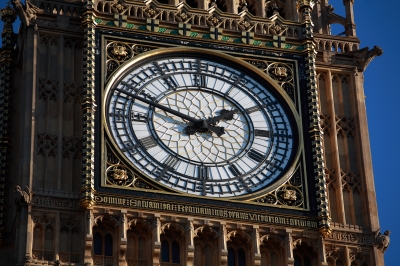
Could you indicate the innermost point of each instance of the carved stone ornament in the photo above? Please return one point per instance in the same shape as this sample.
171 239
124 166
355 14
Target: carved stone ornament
119 7
25 196
276 29
383 240
289 194
120 175
281 73
47 144
364 56
183 15
120 52
246 25
152 12
26 12
214 20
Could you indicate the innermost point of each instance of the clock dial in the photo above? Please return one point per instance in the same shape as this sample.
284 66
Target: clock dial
200 126
201 147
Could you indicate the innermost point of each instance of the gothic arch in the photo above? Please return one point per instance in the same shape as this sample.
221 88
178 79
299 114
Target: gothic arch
172 243
239 247
305 252
205 243
139 238
272 250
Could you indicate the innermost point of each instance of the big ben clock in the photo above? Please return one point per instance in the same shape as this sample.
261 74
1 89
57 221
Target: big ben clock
202 123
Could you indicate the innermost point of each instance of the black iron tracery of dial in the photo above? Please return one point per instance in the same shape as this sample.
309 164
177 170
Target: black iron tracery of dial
151 105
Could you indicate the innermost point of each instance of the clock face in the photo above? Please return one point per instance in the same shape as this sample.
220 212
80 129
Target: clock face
200 125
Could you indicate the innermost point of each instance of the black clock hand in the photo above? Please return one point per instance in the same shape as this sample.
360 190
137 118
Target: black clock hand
225 114
199 124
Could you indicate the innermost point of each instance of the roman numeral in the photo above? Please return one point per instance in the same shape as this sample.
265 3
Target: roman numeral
262 133
199 80
202 172
148 142
255 155
254 109
171 83
238 82
131 147
118 114
139 117
169 163
131 86
234 170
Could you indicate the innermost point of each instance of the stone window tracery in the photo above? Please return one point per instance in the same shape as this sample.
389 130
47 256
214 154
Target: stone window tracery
204 246
43 238
171 244
104 234
138 245
271 247
69 242
238 246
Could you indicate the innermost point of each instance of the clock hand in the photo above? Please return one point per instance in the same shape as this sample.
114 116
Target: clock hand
199 124
225 114
164 108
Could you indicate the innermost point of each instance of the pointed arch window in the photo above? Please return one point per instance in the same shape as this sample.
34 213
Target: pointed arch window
43 242
164 251
236 257
170 253
69 245
137 250
103 248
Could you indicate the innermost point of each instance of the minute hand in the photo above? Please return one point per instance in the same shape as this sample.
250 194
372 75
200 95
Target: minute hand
162 107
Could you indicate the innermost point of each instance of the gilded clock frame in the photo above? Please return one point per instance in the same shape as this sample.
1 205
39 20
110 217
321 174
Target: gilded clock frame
298 166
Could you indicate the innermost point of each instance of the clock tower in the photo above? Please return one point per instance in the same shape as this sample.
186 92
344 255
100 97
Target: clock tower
194 132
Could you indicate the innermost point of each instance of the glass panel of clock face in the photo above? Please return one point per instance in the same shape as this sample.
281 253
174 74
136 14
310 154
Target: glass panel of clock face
166 116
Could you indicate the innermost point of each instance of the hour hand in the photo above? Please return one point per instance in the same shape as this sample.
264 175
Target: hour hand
225 114
198 124
203 126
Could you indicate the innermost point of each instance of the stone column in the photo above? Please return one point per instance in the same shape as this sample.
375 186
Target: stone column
57 237
156 239
190 242
289 248
351 26
347 256
321 251
124 239
89 237
256 244
224 247
335 151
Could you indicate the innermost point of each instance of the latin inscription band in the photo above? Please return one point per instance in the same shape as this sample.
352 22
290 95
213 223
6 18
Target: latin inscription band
213 212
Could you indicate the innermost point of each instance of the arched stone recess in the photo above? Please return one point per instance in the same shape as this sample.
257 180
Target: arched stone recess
173 247
43 238
305 252
335 257
139 242
239 248
205 246
105 235
272 250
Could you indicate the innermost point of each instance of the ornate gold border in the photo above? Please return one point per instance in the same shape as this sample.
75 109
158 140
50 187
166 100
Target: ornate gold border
182 51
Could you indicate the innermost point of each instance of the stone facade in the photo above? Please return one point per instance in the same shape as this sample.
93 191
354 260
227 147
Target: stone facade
59 205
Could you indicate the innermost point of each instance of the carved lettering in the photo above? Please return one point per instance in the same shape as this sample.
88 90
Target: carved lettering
151 205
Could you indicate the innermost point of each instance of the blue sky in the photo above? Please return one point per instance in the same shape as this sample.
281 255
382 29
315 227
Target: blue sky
375 26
